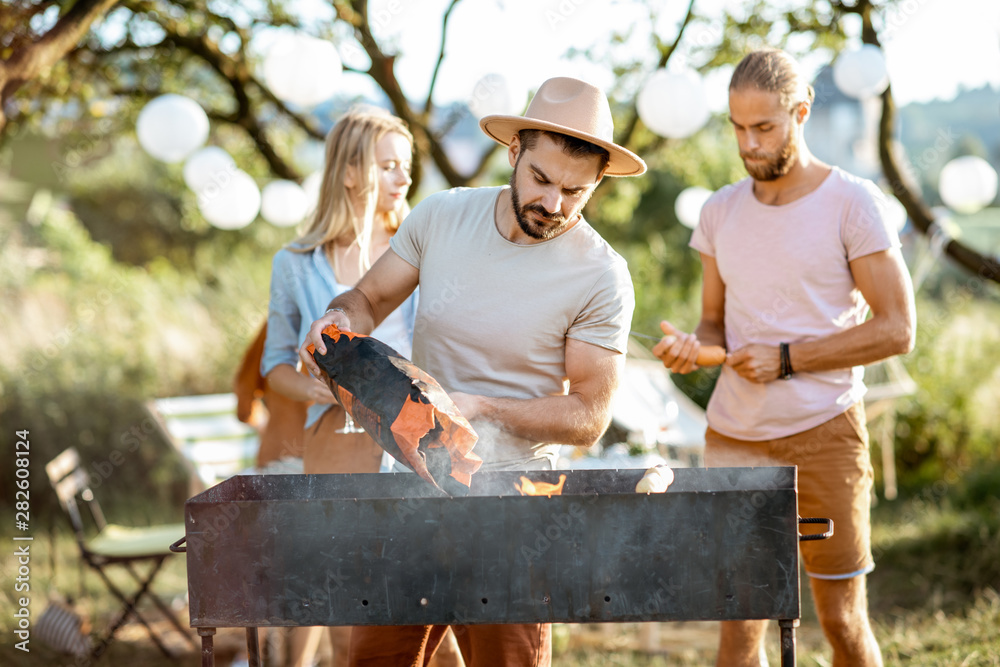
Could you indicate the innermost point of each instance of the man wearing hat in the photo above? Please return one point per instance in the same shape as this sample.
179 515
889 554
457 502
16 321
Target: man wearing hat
523 318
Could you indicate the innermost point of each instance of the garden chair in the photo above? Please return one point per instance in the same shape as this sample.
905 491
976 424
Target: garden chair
115 546
205 429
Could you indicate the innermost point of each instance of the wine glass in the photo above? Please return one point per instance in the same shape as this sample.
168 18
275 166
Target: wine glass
349 425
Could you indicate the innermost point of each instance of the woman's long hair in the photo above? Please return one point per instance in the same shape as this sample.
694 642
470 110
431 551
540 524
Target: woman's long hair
352 143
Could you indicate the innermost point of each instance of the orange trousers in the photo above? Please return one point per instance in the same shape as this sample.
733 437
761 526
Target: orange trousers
481 645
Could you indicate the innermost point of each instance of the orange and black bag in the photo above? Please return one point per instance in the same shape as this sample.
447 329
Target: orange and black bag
401 407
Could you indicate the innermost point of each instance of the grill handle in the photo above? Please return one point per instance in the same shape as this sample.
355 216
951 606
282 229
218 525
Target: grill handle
817 536
178 549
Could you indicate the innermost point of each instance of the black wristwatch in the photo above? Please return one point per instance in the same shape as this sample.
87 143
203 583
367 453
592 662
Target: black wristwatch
786 362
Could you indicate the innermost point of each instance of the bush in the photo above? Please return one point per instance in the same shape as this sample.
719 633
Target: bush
950 426
88 341
137 476
939 547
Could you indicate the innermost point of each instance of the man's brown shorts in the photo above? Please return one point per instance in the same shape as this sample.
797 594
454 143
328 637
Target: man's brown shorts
835 481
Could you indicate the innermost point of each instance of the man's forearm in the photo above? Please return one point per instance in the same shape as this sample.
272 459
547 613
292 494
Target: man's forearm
358 309
565 420
884 283
872 341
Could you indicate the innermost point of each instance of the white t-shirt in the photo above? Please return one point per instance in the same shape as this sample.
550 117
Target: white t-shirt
494 316
787 279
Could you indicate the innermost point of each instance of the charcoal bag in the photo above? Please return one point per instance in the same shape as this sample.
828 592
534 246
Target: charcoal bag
401 407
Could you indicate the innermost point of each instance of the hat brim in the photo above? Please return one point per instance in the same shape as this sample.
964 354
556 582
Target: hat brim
623 162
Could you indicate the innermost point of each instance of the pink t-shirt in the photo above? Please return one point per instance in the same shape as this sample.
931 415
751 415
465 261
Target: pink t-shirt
787 279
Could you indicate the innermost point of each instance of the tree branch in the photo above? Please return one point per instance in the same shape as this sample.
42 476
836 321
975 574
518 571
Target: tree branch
857 8
34 60
231 69
916 208
437 65
297 118
484 160
237 74
382 72
626 135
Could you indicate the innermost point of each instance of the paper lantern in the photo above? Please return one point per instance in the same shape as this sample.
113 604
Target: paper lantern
232 204
207 166
311 186
171 127
861 72
894 213
496 94
673 104
302 70
967 184
689 204
284 203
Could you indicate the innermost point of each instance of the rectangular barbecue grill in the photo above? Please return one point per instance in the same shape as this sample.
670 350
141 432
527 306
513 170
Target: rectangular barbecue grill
388 549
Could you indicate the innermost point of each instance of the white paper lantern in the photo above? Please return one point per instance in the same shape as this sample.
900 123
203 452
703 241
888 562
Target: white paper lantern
171 127
283 203
894 213
207 166
967 184
232 204
673 104
302 70
497 94
861 72
689 204
311 186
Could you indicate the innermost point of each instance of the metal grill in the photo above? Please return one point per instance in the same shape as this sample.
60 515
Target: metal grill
385 549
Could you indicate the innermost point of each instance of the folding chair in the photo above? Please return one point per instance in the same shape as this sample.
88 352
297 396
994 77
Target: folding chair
115 545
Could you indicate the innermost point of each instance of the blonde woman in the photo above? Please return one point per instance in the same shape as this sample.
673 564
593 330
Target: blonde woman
361 203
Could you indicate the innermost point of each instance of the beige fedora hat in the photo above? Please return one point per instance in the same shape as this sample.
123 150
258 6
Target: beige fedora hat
573 107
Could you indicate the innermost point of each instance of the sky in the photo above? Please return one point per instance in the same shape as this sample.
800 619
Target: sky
935 46
932 47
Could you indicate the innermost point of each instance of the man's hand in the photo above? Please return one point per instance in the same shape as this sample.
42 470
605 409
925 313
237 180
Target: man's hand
315 337
677 350
756 362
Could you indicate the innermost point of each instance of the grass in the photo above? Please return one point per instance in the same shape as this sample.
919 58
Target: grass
56 573
934 601
930 639
921 637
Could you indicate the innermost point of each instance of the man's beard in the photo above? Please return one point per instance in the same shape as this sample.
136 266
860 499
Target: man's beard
534 229
775 165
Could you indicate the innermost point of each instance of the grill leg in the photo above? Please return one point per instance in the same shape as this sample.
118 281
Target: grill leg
207 650
788 642
253 648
